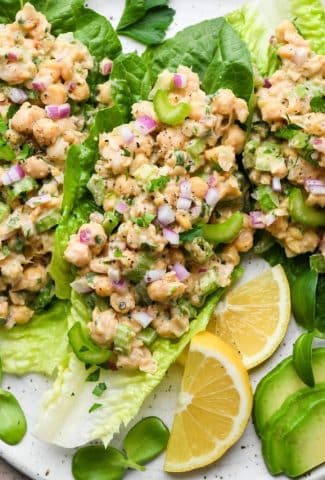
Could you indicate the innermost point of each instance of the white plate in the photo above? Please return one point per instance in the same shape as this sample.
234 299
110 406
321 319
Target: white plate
244 461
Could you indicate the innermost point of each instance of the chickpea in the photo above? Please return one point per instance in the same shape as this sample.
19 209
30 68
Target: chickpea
77 253
103 326
50 68
4 309
11 269
104 93
122 303
199 187
45 131
36 167
33 279
25 117
245 240
57 151
79 90
20 314
168 287
103 286
99 265
55 94
66 69
234 137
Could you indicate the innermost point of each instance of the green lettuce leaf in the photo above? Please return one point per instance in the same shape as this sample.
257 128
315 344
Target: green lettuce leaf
146 20
213 50
129 82
256 22
65 419
40 345
77 204
94 30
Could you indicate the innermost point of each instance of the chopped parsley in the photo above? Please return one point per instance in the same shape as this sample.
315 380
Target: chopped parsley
100 389
180 158
287 132
158 184
118 253
25 152
93 376
94 407
190 234
126 152
145 220
317 104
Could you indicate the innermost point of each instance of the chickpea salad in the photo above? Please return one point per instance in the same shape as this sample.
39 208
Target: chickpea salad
132 185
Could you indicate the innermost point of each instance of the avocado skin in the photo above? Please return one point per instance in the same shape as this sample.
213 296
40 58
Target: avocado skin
280 432
279 384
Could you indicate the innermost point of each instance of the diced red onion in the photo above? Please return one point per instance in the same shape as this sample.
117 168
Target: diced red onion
165 215
126 134
12 56
17 95
212 197
181 272
112 366
203 269
257 219
145 124
315 187
180 81
171 236
319 144
58 111
121 207
276 184
212 181
85 236
81 286
185 189
14 174
153 275
183 204
106 66
38 85
195 211
143 318
120 285
114 273
38 200
267 83
269 218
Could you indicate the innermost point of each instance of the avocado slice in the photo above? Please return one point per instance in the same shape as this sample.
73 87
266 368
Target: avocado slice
283 421
280 383
304 444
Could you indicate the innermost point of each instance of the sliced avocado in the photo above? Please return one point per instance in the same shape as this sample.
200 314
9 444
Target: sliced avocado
279 384
304 444
281 432
282 422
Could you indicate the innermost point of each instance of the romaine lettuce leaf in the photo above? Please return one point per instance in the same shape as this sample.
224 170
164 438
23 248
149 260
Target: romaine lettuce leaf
213 50
257 20
40 345
77 204
65 419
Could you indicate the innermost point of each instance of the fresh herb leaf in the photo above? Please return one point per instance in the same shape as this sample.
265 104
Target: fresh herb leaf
190 234
94 407
93 376
158 184
267 199
146 20
317 104
287 132
25 152
145 220
302 358
118 253
99 389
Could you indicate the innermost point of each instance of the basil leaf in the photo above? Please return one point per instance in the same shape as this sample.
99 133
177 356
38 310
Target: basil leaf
303 296
13 424
94 462
146 440
317 104
302 358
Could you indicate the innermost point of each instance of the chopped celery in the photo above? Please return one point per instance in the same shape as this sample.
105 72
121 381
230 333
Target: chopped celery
48 221
317 262
25 185
268 157
169 113
186 308
123 338
96 186
148 336
4 211
195 147
267 199
143 264
7 153
199 249
111 221
208 283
